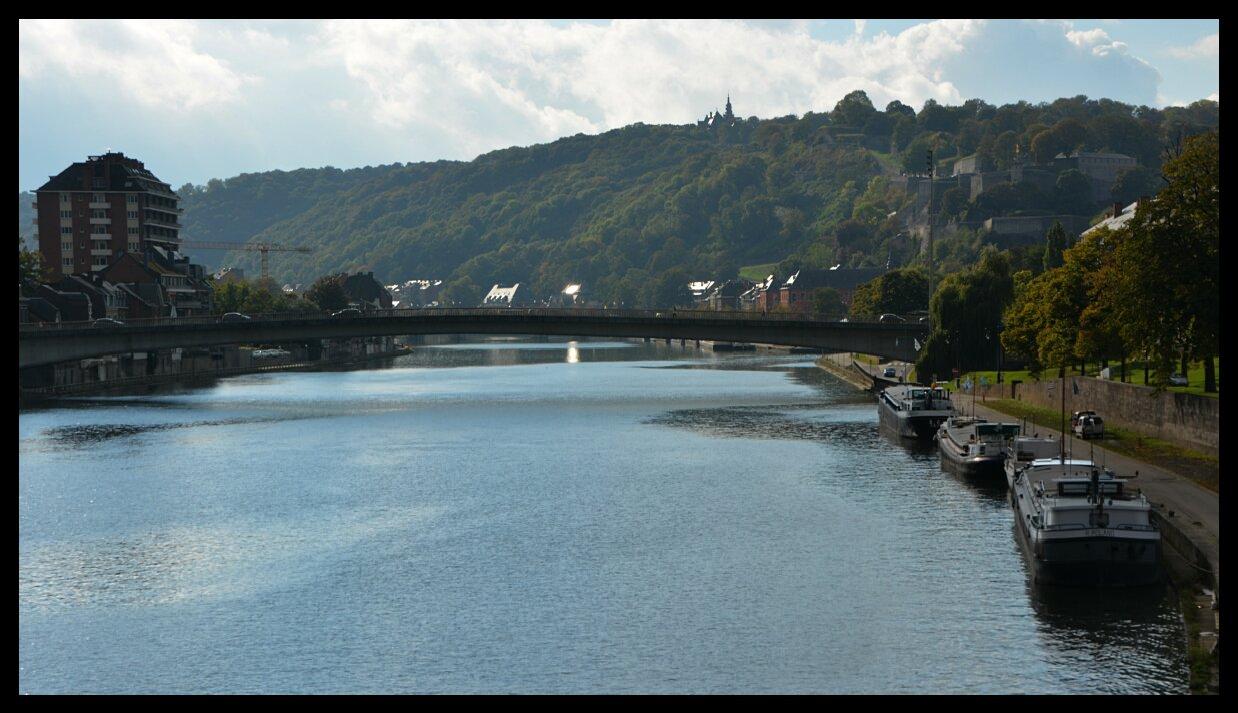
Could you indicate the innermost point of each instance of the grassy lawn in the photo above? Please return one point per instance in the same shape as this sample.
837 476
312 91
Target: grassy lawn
757 273
1134 372
1199 467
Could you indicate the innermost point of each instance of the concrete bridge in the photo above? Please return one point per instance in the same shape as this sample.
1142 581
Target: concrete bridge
47 344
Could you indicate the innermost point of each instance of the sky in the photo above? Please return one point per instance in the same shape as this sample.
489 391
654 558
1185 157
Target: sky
197 100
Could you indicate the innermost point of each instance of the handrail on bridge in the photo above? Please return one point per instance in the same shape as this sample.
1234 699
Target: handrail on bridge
578 312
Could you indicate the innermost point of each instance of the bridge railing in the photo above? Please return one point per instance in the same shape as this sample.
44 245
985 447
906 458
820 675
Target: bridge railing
447 312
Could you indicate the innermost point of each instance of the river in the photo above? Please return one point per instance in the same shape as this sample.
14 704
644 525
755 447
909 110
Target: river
501 515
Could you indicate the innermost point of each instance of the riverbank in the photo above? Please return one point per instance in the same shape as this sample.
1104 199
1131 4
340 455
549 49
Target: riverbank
1185 510
840 365
30 396
1188 516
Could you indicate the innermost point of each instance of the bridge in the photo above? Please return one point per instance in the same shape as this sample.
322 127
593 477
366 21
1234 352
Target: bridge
43 344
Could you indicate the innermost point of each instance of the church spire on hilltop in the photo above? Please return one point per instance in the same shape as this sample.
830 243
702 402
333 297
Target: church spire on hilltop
729 114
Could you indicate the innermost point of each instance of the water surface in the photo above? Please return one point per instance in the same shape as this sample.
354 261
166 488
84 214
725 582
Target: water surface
537 516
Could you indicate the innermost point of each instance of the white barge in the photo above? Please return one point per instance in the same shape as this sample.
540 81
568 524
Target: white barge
1080 525
914 411
974 446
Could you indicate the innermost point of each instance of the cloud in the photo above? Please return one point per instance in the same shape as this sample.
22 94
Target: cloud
481 81
374 91
1208 47
153 62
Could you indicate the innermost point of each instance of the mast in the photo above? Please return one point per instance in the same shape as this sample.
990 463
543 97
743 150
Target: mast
1062 435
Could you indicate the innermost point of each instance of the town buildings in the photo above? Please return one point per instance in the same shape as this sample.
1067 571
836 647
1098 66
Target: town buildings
514 296
98 209
797 291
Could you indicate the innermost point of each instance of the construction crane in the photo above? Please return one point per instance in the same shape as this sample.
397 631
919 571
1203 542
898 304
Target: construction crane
263 248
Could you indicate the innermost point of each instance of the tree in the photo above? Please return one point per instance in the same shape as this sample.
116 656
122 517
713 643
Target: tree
29 262
328 293
1055 245
896 292
668 289
966 313
897 108
1166 265
826 301
953 201
1073 193
853 110
1134 183
903 132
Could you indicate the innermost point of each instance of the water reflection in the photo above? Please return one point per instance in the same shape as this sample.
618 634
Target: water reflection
1106 638
805 422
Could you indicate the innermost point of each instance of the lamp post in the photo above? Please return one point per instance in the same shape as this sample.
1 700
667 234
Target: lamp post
998 335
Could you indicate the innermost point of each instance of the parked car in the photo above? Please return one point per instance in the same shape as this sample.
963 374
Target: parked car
1178 380
889 373
234 317
348 312
1077 416
887 318
107 322
1090 427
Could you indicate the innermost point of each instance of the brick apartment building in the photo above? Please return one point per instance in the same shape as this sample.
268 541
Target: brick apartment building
99 209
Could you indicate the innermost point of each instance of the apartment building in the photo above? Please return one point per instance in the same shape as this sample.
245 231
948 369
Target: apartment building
99 209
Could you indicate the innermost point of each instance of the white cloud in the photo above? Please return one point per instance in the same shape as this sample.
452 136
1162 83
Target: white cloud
423 90
1208 47
479 81
154 62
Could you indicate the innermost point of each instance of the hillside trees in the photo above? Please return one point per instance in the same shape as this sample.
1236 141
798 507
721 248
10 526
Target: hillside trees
1151 287
896 292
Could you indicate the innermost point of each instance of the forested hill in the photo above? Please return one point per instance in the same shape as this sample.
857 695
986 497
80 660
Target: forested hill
614 210
635 211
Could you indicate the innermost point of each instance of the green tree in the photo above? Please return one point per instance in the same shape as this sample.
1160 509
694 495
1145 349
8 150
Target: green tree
1134 183
966 313
853 110
328 293
1055 245
29 263
826 301
896 292
1073 193
1166 294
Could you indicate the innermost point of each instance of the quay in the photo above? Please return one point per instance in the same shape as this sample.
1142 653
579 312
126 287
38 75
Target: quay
1187 514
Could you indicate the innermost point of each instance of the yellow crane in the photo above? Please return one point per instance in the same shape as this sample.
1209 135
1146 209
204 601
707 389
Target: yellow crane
263 248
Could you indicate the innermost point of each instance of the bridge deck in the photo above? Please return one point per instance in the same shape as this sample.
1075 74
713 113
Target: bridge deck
50 343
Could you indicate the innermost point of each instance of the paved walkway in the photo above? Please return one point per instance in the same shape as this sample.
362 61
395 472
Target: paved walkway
1196 510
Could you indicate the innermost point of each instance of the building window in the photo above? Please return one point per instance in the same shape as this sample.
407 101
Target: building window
67 262
131 199
133 246
66 231
133 214
67 247
66 214
64 198
98 213
133 230
96 198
